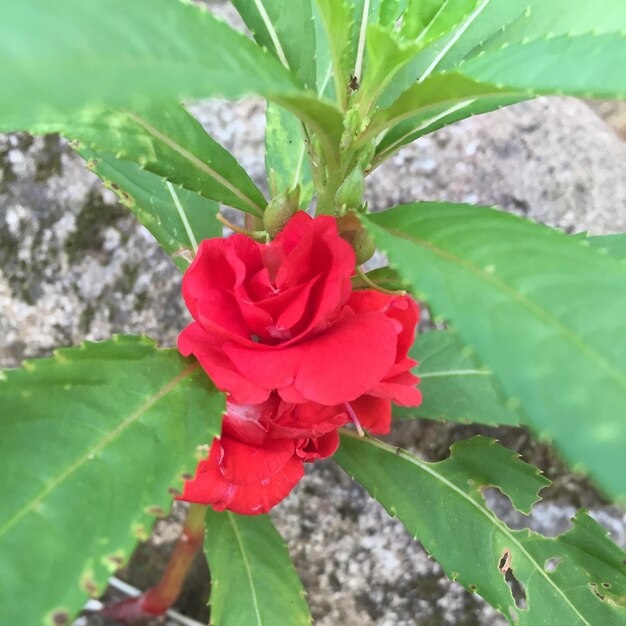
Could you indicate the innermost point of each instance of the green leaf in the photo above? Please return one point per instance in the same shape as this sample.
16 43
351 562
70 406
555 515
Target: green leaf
389 12
585 65
285 27
385 277
543 311
437 116
168 141
441 504
613 245
451 15
253 582
538 19
338 20
286 159
454 385
427 106
323 62
468 36
322 118
448 24
178 218
438 92
91 440
494 24
73 53
386 54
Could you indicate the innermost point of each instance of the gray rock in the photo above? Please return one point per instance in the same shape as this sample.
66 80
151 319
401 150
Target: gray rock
74 266
551 159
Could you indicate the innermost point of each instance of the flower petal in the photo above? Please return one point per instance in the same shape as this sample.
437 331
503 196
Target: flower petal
211 487
374 413
346 361
195 340
245 464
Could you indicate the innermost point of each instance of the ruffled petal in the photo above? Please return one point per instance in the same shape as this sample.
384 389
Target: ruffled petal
318 448
399 391
374 414
307 420
346 361
195 340
219 266
245 464
211 486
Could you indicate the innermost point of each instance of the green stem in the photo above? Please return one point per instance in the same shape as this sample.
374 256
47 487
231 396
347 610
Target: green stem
326 195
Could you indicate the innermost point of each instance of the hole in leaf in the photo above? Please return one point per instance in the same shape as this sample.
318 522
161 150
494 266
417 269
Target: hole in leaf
606 585
517 588
594 588
551 564
504 564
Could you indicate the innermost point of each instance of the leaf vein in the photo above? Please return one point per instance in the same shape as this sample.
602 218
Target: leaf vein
244 556
106 440
498 524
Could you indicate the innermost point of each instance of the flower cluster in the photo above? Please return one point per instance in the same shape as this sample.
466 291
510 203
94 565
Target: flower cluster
279 328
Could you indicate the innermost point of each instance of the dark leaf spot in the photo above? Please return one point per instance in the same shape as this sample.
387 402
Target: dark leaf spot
155 510
60 618
116 559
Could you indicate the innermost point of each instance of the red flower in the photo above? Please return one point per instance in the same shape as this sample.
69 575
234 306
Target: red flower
278 327
260 455
282 317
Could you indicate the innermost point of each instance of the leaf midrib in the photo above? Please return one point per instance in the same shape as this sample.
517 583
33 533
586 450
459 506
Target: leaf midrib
455 103
457 35
485 512
196 162
282 57
530 305
398 143
246 564
451 373
98 447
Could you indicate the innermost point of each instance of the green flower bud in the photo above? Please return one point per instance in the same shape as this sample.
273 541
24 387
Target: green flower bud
280 210
350 193
352 231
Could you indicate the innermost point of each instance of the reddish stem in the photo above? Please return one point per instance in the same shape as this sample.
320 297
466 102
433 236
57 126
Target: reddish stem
157 600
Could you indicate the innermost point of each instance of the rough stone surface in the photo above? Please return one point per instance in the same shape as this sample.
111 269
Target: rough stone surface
551 159
614 112
74 266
